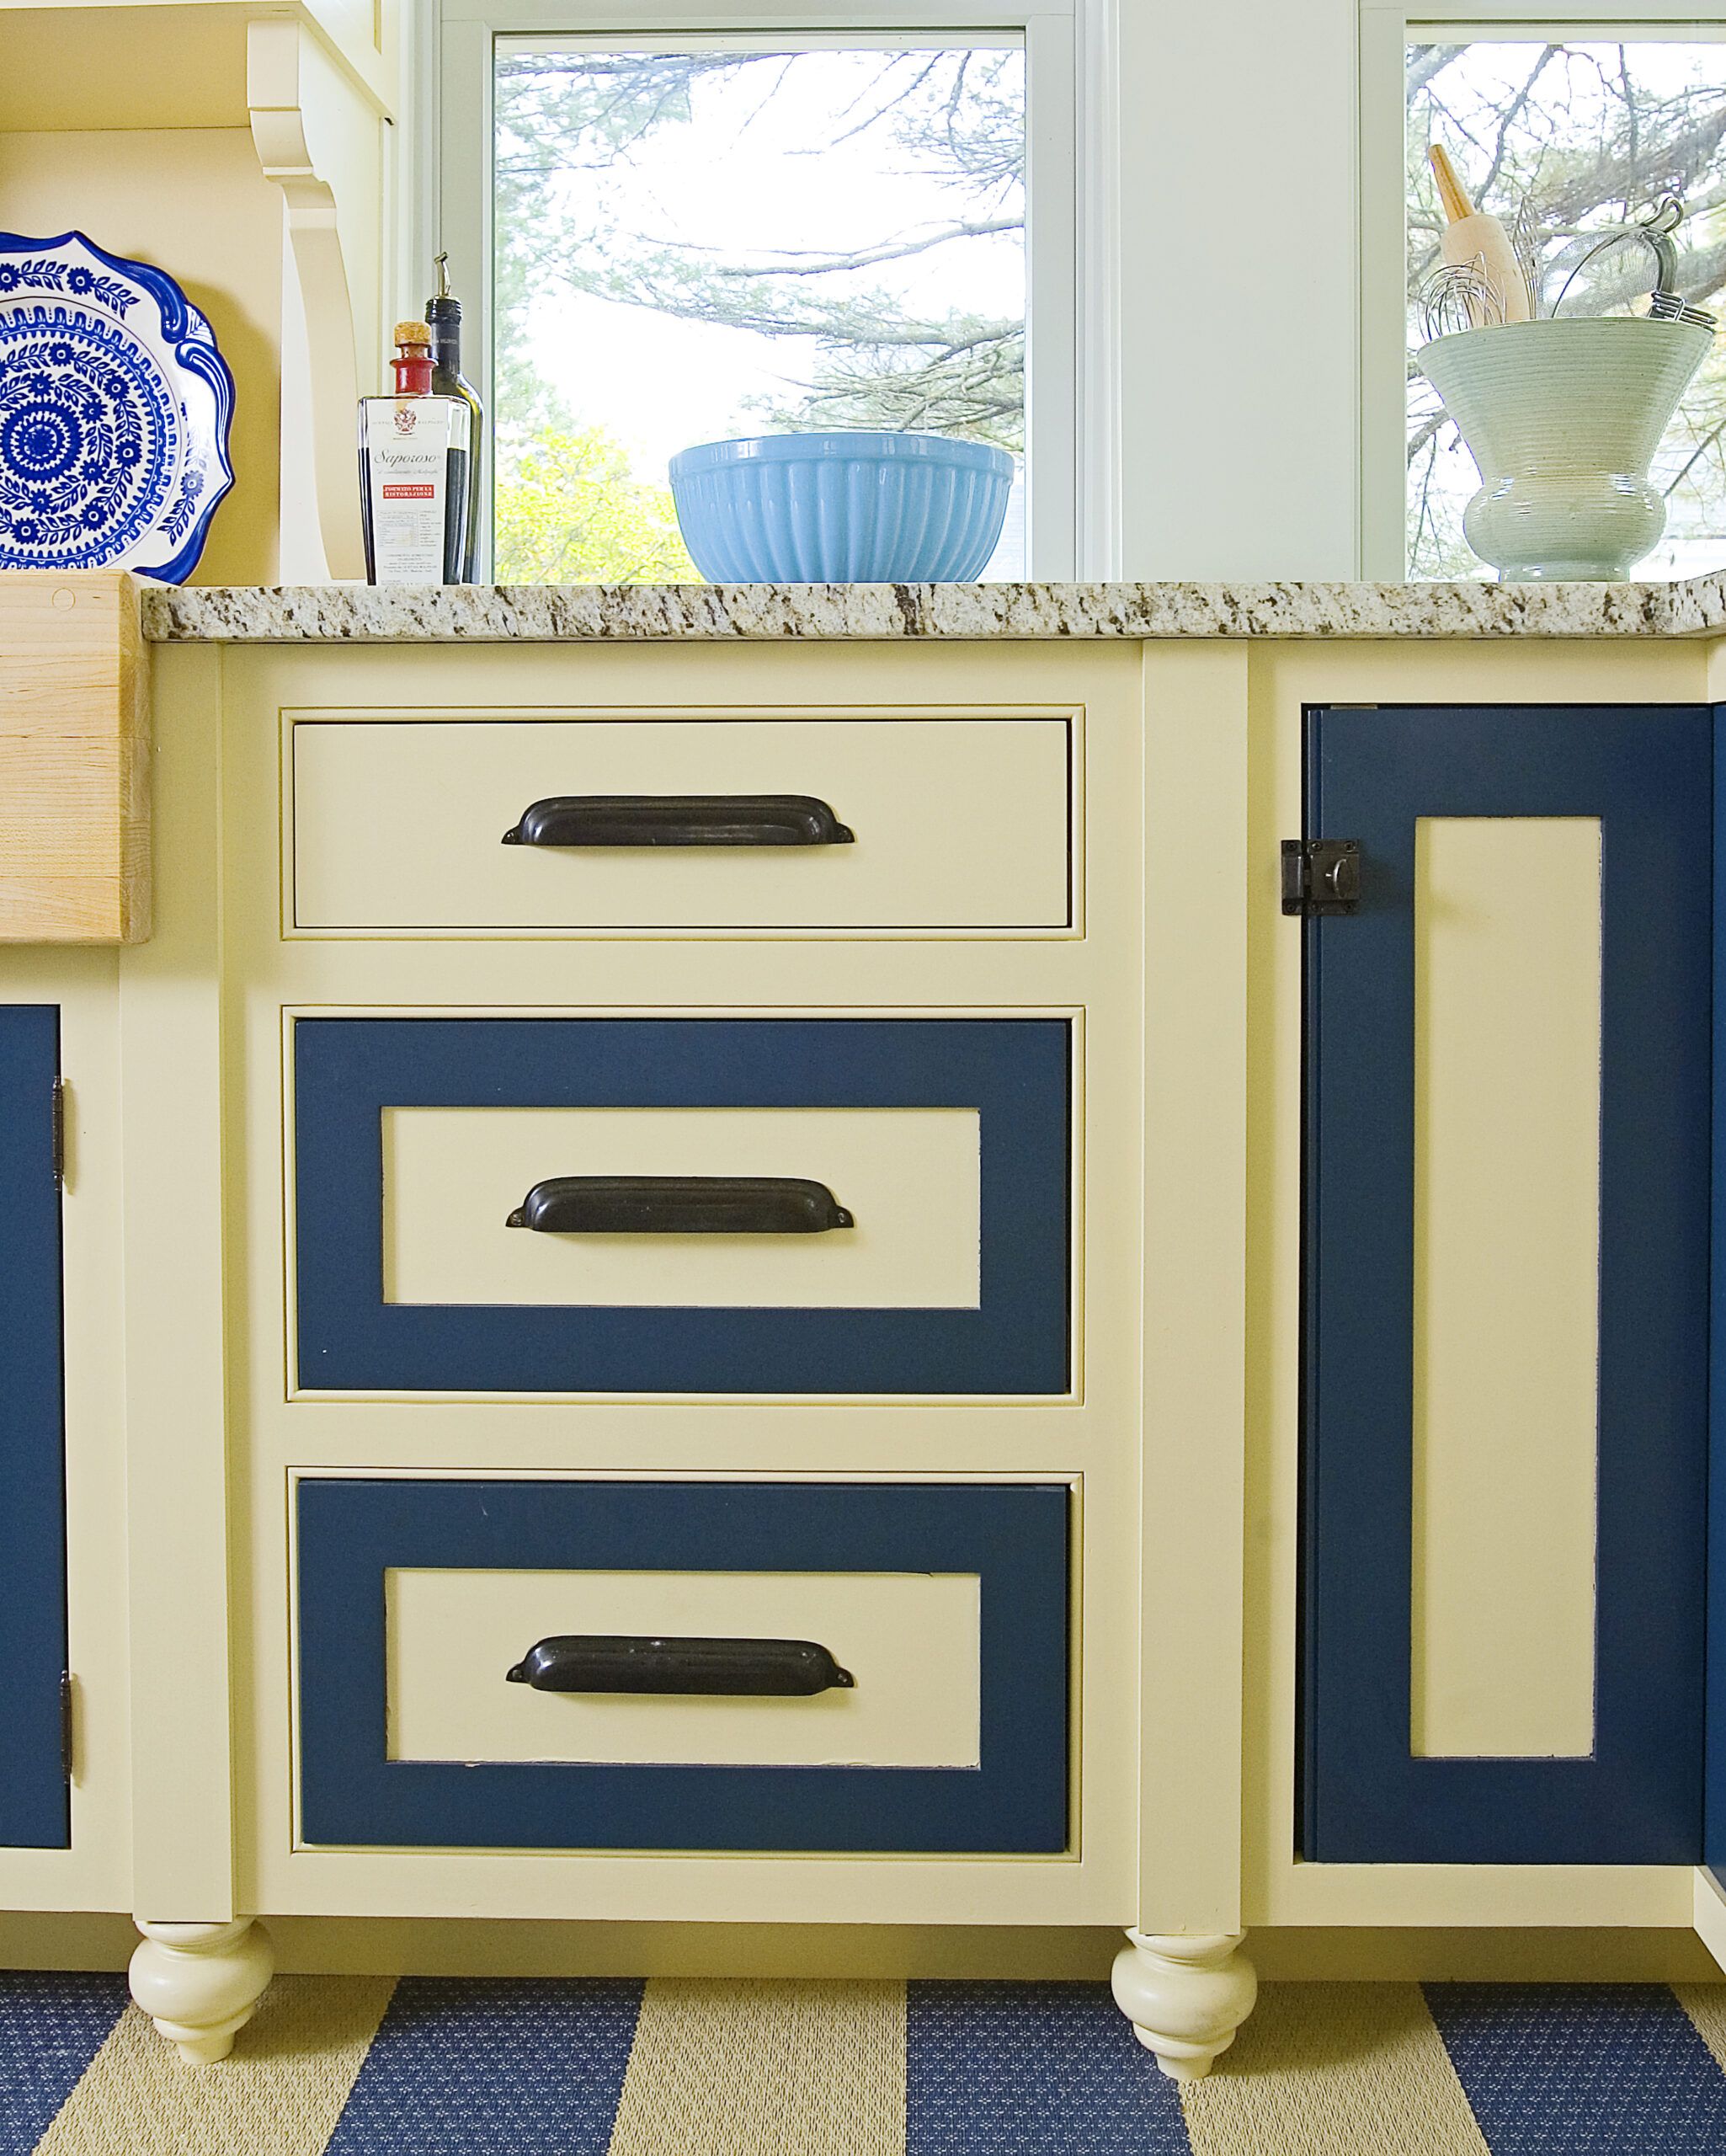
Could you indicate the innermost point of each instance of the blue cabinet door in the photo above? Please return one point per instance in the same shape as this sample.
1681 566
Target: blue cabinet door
1647 776
1715 1771
34 1811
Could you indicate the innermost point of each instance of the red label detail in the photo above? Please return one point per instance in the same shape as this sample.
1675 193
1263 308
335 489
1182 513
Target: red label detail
401 493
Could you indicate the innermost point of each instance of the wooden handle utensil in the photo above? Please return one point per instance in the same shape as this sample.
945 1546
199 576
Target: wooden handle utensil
1476 235
1453 196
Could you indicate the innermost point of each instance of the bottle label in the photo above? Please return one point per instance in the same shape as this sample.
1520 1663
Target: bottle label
406 443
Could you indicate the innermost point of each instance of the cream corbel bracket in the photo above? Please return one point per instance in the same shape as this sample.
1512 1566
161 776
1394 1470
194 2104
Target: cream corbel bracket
279 85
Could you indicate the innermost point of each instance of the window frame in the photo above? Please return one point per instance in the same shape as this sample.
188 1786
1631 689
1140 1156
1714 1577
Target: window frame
1386 29
1071 503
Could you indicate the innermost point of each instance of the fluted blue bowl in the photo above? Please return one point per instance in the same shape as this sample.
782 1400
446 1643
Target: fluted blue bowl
850 507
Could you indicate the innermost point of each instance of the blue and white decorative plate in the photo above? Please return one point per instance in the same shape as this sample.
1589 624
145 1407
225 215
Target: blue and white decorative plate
114 411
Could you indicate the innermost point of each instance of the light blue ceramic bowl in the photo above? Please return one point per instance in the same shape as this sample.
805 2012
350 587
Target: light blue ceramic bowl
852 508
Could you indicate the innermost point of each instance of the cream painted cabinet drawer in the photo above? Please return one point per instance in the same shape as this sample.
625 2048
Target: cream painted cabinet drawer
936 824
682 1665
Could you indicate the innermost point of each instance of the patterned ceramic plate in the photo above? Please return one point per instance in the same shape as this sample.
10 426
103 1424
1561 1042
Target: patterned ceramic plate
115 410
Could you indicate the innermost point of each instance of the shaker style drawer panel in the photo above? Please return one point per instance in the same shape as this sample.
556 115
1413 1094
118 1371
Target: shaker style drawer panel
736 1666
911 1179
549 825
34 1811
672 1205
899 1687
1506 1285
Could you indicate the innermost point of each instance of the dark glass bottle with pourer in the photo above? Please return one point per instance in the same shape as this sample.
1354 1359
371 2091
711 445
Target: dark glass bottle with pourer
444 313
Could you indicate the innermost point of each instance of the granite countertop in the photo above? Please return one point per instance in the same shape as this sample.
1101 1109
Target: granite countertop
338 613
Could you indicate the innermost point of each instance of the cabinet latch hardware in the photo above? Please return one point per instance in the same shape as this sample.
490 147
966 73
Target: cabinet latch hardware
56 1113
1321 876
68 1689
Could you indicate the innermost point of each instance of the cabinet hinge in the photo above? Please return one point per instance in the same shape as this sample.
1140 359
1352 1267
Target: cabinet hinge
1321 876
57 1116
68 1693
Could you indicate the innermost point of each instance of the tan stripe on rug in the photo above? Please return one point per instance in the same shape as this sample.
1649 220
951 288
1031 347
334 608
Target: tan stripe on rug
1334 2070
280 2094
766 2069
1706 2005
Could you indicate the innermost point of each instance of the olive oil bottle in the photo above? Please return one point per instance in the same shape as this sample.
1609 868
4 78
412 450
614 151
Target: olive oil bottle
415 471
443 313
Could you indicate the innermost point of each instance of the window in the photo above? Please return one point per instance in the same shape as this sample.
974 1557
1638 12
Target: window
1588 134
691 234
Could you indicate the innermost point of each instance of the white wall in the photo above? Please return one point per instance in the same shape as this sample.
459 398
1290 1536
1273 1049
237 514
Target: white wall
1239 344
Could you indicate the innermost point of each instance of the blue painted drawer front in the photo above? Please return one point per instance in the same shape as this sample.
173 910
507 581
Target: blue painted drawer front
1014 1072
1015 1537
34 1812
1648 775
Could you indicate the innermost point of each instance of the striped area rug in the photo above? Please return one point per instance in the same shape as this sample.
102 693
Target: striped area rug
593 2067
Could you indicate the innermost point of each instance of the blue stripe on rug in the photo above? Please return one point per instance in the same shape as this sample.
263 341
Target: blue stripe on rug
52 2024
469 2067
1032 2069
1584 2070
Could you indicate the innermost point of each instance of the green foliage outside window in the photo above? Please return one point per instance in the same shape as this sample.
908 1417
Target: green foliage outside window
569 511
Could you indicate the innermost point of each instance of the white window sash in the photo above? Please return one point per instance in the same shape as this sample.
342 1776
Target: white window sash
1388 28
1072 499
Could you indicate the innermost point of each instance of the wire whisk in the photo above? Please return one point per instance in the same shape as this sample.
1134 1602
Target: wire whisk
1654 232
1460 296
1664 302
1524 245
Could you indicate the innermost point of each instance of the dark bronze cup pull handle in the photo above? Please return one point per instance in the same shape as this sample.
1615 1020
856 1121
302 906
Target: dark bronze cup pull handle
679 1205
787 1669
583 819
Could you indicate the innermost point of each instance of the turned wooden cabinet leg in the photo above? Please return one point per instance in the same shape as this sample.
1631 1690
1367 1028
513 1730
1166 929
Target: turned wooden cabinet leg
1185 1996
199 1983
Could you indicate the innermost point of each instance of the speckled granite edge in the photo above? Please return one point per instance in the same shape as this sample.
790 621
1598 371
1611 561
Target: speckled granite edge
772 612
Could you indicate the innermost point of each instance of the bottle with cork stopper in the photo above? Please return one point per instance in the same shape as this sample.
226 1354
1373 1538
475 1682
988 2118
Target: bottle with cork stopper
416 452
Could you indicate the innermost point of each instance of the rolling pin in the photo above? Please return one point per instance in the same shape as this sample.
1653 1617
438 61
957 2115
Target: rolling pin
1472 235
